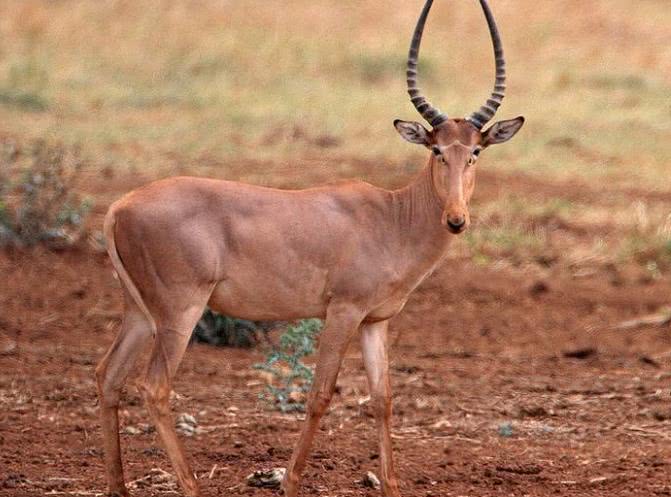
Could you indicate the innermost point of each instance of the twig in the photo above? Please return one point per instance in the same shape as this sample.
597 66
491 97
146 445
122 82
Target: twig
75 492
468 410
214 469
661 319
652 433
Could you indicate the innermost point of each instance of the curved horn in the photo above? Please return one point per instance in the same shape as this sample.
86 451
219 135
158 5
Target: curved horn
433 115
487 111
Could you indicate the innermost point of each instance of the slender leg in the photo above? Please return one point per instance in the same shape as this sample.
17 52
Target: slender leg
111 375
169 348
376 360
341 324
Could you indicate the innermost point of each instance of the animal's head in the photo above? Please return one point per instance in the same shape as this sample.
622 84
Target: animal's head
456 144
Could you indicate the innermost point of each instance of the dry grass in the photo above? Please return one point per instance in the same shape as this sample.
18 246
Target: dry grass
166 86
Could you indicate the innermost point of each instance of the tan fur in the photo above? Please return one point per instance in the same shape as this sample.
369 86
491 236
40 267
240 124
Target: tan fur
350 253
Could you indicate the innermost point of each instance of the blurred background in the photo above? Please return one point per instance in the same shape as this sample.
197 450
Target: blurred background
297 93
550 308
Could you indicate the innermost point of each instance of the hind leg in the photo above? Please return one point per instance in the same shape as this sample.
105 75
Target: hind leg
111 375
172 338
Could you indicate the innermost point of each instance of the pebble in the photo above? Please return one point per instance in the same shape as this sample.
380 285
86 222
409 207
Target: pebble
187 418
186 424
267 479
131 430
371 480
186 429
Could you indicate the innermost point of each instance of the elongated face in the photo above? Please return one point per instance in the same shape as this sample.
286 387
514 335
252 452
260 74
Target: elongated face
455 147
455 151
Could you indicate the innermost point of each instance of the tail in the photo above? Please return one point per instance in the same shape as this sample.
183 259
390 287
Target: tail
108 230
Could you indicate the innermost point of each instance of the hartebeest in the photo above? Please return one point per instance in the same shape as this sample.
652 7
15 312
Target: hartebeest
350 253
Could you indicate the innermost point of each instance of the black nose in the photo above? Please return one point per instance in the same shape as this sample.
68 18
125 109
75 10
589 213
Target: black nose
456 225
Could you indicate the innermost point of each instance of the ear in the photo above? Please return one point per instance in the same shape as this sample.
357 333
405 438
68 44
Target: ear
502 131
413 132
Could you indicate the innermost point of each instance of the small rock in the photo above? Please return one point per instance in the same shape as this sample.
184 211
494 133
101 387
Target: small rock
187 419
131 430
7 345
370 480
146 428
152 451
185 429
187 424
267 479
441 423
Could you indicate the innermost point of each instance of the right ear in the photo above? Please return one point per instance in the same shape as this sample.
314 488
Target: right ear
413 132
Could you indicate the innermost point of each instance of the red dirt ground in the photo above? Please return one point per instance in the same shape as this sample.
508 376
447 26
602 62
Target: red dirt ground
486 401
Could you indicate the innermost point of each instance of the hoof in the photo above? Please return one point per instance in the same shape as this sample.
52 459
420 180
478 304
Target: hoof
119 493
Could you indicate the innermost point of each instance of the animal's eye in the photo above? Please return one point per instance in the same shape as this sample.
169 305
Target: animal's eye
474 156
436 151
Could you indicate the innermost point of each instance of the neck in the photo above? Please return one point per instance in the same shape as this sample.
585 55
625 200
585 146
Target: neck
418 210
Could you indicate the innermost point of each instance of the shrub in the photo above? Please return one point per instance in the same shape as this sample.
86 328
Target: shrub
224 331
37 200
290 378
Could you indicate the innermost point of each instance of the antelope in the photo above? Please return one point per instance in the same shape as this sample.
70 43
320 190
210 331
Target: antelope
349 253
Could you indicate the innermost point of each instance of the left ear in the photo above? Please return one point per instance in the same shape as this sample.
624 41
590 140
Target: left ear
502 131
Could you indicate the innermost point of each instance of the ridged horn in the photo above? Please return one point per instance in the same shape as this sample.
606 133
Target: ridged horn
487 111
432 114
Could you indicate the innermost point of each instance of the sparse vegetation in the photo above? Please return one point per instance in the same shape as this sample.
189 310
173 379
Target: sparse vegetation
647 241
301 92
25 85
596 120
290 378
38 203
505 241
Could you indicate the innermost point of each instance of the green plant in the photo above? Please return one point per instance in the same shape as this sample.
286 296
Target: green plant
25 86
37 199
224 331
291 379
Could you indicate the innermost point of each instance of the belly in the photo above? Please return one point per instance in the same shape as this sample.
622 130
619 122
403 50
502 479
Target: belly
266 298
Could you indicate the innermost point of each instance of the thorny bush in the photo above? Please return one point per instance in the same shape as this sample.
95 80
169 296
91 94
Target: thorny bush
37 199
291 378
224 331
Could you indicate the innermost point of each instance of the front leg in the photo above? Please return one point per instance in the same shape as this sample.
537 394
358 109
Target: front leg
342 321
375 356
